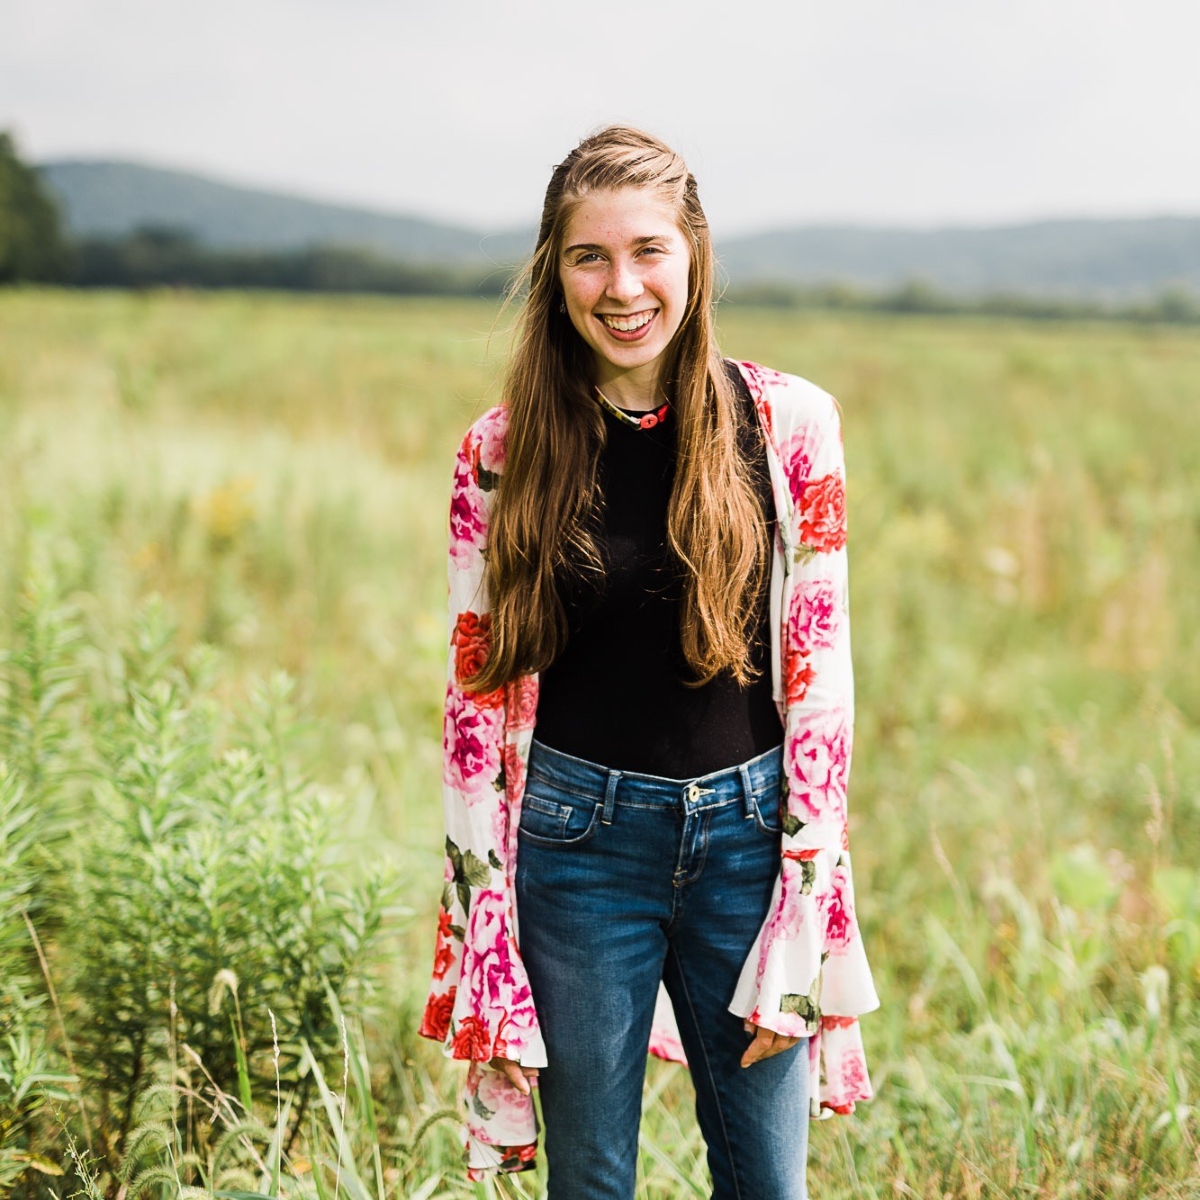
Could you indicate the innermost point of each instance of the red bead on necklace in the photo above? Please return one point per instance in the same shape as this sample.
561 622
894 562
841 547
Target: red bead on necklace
657 417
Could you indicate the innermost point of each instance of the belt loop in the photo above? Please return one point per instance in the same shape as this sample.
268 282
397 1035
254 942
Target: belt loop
610 797
747 789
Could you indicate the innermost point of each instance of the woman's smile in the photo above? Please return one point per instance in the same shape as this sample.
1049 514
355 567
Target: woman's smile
631 328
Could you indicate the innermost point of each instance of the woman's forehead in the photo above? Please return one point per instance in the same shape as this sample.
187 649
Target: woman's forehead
620 216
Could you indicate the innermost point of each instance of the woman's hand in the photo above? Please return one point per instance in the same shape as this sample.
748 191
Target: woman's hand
516 1074
766 1043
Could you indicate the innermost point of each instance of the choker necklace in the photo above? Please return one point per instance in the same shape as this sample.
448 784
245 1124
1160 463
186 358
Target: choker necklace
656 417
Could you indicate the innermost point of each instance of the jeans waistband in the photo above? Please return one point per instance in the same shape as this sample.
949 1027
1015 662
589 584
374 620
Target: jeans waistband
749 781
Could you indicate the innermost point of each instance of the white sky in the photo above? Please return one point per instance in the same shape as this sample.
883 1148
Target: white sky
904 111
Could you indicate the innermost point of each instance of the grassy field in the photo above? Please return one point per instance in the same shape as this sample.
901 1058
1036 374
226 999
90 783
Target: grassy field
1025 579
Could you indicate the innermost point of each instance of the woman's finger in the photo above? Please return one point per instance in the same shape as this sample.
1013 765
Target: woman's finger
516 1074
766 1044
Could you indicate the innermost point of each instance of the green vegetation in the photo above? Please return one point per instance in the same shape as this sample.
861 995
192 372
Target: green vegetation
156 257
203 491
31 243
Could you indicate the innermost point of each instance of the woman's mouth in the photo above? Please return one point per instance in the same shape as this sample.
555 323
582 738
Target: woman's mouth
631 328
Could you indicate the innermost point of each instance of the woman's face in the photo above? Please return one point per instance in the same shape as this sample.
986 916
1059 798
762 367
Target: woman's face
624 274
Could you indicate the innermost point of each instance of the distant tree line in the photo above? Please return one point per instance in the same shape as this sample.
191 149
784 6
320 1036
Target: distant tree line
1175 305
153 256
35 248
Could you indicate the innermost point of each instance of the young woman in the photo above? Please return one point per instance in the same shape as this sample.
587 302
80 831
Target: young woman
648 718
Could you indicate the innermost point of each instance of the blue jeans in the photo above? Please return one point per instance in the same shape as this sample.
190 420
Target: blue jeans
624 880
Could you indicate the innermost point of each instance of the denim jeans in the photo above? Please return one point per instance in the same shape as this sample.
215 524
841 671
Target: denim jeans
624 880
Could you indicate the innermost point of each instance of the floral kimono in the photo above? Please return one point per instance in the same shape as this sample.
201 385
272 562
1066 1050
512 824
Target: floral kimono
807 974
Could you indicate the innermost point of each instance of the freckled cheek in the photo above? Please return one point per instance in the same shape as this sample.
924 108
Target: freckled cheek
583 294
670 286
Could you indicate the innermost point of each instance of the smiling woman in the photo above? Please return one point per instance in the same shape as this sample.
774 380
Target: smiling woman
648 716
624 275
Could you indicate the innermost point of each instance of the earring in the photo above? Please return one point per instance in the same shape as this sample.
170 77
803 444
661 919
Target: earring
562 305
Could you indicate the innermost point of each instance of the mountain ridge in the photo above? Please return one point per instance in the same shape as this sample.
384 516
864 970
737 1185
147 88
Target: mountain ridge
1099 258
111 198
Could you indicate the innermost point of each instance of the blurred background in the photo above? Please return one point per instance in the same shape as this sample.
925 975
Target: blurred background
1031 149
252 260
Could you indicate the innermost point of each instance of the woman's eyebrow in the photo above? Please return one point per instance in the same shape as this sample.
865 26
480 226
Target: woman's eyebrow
637 241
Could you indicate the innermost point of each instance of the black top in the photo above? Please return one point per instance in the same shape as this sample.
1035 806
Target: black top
616 694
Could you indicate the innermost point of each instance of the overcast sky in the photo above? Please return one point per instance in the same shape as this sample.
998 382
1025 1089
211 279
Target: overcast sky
898 111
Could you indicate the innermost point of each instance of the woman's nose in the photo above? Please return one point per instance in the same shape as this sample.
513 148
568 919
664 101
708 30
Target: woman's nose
624 285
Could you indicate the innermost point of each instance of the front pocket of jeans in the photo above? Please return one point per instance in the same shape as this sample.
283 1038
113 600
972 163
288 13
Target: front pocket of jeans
546 822
768 812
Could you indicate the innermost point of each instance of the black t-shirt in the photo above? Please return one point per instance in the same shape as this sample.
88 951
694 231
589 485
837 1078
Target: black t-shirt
616 694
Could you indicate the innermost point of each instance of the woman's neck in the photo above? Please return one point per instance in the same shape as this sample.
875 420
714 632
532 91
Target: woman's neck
635 390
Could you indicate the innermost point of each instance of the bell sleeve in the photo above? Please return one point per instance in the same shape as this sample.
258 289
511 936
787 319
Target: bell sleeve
479 1005
807 974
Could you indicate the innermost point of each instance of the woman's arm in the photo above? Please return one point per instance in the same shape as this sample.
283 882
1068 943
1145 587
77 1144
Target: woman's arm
479 1005
807 973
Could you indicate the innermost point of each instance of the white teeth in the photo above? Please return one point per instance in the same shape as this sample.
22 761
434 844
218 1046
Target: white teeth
628 324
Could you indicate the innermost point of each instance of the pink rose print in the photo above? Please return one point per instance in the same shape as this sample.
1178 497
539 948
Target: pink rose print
494 1090
854 1077
785 921
797 454
757 379
666 1046
497 1115
823 514
501 842
514 770
492 434
521 696
765 415
815 617
839 912
498 987
818 760
468 526
471 759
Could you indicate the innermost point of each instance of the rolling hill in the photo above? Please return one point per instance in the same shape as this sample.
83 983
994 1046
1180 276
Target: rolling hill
114 198
1089 258
1107 259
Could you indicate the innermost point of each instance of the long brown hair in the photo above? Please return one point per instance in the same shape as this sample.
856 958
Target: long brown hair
538 532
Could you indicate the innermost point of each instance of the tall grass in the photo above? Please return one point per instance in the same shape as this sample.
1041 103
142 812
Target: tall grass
1025 520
